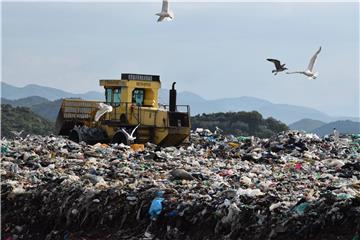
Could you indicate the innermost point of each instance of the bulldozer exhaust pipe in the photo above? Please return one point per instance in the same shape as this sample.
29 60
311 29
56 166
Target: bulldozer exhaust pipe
172 98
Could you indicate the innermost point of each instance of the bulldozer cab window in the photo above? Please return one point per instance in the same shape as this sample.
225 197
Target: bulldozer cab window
117 96
108 95
138 96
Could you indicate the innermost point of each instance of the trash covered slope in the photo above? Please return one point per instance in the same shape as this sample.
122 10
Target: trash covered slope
292 186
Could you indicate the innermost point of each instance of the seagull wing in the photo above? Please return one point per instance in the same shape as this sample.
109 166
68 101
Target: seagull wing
16 133
295 72
276 62
165 6
161 18
312 60
133 131
101 105
171 14
103 108
126 133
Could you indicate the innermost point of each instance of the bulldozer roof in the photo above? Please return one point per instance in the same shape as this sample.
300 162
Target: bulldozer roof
141 77
129 79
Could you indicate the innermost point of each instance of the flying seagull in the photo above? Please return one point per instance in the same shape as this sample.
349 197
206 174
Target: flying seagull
309 71
103 108
279 67
16 133
130 137
165 13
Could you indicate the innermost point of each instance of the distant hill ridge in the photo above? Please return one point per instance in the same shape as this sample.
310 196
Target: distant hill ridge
25 102
343 126
306 124
22 118
12 93
321 128
283 112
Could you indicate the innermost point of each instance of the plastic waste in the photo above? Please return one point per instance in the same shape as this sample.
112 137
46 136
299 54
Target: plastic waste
173 213
234 144
4 149
249 192
243 138
50 184
227 172
301 208
355 135
344 196
156 206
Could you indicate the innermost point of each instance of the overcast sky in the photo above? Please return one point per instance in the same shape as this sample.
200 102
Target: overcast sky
215 50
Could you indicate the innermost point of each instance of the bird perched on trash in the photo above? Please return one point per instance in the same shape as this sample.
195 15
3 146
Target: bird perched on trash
336 134
309 72
103 108
16 133
165 13
278 66
218 130
130 137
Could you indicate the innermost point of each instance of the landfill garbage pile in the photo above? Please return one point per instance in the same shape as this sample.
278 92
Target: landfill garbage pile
292 186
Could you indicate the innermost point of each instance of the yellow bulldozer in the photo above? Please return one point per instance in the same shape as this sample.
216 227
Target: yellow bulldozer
131 106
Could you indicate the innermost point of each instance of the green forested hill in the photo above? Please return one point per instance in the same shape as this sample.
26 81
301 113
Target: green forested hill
22 118
239 123
40 106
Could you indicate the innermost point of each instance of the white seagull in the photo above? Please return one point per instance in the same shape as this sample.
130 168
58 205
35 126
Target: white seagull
309 71
103 108
130 137
165 13
16 133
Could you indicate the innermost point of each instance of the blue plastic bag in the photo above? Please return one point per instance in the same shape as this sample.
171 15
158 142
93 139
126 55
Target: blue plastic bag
300 209
156 206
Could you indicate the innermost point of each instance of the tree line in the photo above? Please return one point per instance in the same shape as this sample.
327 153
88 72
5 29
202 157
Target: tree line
239 123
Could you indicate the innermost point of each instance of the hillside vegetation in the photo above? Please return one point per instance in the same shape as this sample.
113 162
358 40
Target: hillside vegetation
22 118
41 106
48 110
239 123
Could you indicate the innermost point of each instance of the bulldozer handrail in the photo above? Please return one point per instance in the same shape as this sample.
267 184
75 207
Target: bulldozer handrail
166 107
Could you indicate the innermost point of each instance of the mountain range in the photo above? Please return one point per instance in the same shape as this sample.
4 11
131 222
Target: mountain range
283 112
11 92
322 128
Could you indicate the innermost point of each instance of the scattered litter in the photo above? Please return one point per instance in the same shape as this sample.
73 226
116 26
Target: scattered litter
291 186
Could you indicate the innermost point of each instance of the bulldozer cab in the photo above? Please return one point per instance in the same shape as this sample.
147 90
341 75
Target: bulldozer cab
135 89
